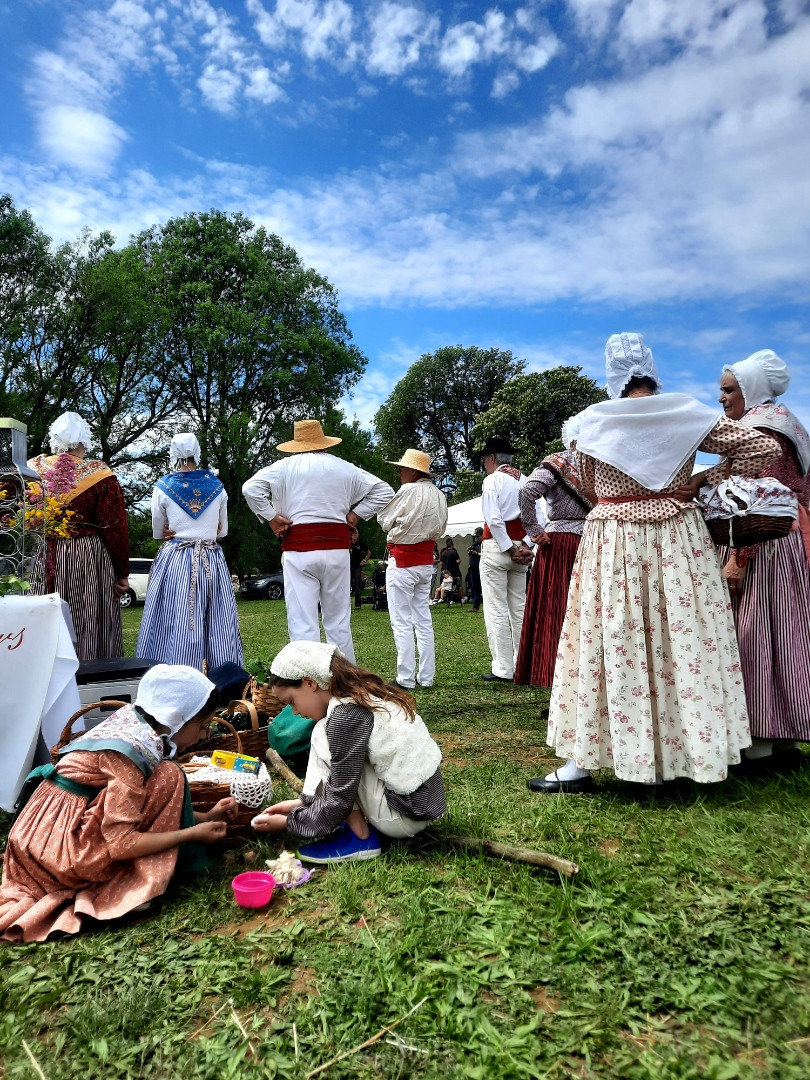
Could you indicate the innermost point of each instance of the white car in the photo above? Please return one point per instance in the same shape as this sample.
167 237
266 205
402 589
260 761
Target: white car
138 580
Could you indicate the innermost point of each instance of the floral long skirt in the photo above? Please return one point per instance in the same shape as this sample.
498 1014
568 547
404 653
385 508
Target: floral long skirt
648 678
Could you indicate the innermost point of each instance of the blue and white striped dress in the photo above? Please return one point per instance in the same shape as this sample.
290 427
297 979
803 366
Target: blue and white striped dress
190 613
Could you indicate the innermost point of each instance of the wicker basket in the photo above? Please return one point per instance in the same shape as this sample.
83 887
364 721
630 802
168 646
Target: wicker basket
253 742
67 735
205 794
262 697
742 532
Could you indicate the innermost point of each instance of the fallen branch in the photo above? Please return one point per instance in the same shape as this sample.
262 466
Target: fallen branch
491 847
505 851
285 773
367 1043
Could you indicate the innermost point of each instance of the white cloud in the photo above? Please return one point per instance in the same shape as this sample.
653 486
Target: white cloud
80 138
715 26
324 27
593 17
220 88
398 35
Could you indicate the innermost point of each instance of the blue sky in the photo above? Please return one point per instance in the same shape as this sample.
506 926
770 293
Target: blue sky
531 175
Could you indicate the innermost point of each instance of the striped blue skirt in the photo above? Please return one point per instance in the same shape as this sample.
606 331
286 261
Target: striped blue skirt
190 612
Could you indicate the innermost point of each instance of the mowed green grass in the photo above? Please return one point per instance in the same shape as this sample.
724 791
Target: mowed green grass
680 950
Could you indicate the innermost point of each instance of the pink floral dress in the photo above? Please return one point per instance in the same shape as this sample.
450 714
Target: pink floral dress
648 677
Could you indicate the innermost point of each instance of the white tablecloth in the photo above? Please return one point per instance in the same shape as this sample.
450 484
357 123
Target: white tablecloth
38 675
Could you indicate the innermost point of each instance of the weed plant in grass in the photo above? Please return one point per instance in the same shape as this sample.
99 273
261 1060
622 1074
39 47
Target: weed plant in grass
680 951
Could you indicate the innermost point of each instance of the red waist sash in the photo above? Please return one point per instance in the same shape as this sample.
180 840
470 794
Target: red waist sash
317 536
514 529
420 554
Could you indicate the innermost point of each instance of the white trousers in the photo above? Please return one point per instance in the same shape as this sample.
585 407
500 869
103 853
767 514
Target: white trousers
319 577
370 794
408 591
503 587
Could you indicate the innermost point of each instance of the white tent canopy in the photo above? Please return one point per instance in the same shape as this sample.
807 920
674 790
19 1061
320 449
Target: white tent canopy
464 518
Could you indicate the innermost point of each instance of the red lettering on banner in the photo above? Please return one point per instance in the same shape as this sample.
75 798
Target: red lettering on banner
17 638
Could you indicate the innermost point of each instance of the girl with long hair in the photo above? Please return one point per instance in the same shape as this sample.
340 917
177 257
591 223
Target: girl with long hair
373 767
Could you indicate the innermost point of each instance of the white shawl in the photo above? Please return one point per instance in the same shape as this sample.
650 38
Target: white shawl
648 438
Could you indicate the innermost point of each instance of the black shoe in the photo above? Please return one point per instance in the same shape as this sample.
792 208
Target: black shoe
489 677
566 787
399 686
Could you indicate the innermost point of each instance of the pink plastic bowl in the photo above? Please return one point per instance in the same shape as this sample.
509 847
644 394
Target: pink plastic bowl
253 889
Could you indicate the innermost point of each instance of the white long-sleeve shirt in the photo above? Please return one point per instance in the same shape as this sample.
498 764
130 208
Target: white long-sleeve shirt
499 504
315 486
417 512
212 523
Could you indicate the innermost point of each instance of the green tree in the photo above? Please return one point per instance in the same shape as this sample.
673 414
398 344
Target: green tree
255 341
531 409
434 407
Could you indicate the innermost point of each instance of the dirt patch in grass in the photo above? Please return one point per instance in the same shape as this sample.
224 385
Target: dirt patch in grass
278 912
303 982
544 1001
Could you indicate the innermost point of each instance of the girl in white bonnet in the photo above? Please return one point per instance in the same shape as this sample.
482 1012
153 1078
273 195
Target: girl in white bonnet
373 767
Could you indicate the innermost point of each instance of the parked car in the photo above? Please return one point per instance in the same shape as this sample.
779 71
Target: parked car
263 586
138 580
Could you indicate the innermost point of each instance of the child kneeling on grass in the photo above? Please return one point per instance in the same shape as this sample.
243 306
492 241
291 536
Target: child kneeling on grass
372 763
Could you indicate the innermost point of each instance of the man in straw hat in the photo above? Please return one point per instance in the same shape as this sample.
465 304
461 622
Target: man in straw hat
414 520
310 500
506 553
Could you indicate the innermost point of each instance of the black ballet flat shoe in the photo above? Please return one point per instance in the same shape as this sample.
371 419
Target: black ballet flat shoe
489 677
565 787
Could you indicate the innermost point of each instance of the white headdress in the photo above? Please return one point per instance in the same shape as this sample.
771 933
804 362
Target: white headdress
173 694
570 429
184 445
67 432
305 660
627 357
762 377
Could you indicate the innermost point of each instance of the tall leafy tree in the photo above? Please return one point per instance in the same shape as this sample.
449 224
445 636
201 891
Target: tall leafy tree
434 407
531 409
255 341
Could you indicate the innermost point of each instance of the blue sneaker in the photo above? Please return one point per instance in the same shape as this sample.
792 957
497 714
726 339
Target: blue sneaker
341 846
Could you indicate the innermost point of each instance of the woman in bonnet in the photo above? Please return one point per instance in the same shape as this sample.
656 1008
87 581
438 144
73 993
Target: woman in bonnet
189 615
648 680
90 569
99 835
770 594
557 480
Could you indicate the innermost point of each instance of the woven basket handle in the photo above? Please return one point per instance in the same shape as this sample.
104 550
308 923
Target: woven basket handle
240 705
67 733
233 731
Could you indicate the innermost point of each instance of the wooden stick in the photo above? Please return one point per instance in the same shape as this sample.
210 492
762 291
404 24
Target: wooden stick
515 854
33 1061
491 847
367 1043
286 774
295 1041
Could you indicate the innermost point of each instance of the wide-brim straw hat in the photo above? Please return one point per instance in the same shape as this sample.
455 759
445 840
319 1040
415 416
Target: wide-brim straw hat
415 459
308 435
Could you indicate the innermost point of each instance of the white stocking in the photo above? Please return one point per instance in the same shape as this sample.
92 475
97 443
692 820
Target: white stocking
569 771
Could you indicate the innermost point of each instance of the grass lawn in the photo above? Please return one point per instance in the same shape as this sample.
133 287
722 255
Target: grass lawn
680 950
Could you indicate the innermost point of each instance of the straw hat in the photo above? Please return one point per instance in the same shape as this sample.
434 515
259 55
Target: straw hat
415 459
308 435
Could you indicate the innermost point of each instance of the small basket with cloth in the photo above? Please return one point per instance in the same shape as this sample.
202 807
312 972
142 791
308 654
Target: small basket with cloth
742 512
209 783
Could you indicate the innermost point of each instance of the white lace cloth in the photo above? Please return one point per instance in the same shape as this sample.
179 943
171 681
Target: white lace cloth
248 789
767 497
